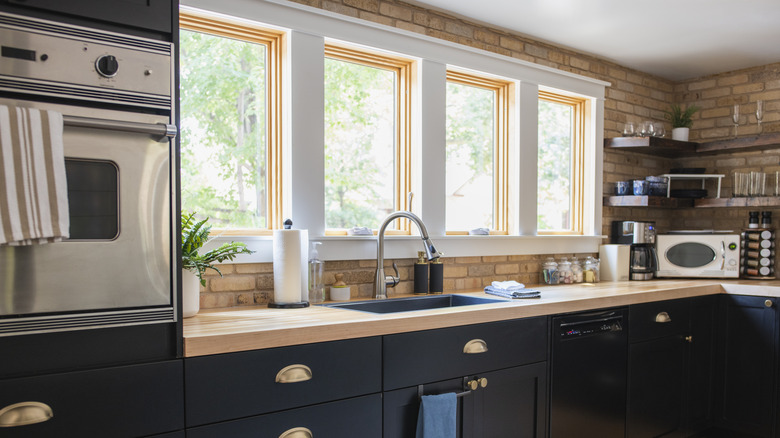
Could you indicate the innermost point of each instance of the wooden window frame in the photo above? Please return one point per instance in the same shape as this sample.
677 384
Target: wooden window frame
273 40
577 207
504 91
403 69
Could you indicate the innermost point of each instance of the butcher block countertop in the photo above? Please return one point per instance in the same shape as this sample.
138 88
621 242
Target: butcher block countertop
233 329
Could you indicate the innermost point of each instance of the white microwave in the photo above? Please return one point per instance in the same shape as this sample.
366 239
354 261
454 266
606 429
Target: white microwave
698 255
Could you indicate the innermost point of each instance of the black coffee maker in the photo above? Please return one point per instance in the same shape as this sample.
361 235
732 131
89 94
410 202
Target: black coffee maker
641 237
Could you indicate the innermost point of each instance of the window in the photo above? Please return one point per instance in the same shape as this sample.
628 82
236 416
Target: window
230 142
560 163
367 138
476 166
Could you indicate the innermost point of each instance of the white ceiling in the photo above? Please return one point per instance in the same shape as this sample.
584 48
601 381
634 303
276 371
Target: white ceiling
673 39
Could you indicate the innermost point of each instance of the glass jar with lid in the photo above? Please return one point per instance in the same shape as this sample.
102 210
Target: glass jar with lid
576 269
590 270
566 276
550 271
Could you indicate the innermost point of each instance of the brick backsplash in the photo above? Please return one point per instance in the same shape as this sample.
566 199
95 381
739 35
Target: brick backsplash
253 283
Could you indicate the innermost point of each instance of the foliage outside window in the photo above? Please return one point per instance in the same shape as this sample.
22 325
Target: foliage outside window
560 164
366 137
229 119
476 167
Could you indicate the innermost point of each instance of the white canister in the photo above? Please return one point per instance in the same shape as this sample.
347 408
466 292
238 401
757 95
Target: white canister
340 293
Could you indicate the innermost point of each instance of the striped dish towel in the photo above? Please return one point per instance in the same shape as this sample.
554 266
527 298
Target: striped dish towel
33 185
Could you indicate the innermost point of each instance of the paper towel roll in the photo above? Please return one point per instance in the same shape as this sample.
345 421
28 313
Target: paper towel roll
290 266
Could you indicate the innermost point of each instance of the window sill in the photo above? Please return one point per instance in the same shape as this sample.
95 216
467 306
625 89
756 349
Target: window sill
364 247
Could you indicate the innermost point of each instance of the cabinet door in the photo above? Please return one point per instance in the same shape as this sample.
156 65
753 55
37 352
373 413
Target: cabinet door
747 368
129 401
701 364
513 404
402 406
355 417
656 371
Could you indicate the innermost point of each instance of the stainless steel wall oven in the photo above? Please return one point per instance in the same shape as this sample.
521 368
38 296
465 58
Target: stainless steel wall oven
116 94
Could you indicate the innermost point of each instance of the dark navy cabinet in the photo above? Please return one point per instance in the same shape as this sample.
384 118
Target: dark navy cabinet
505 361
747 374
670 367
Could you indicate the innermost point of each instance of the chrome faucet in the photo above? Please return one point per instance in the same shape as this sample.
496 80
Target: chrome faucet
382 281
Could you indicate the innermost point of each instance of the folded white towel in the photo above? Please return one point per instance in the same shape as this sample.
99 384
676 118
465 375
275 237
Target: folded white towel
33 184
508 285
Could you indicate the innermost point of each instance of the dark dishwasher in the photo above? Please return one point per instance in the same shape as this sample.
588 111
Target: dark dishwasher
588 395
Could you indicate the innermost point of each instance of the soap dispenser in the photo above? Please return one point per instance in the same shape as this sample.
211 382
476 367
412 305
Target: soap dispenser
316 268
421 274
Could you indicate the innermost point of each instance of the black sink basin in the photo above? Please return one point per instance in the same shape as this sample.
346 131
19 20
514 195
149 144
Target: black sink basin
394 305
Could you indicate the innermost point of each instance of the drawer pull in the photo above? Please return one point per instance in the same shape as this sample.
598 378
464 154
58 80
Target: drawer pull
24 413
293 374
296 432
663 317
475 346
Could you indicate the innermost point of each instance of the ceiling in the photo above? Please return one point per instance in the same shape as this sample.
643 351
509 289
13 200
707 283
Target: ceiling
673 39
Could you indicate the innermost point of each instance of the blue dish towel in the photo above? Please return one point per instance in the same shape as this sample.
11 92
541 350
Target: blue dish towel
437 417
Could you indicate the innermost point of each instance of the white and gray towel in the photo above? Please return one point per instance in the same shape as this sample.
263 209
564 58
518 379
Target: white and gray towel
33 184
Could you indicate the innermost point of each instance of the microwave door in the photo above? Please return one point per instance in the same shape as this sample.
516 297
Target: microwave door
690 255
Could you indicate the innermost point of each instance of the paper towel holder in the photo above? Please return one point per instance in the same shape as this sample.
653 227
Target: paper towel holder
299 305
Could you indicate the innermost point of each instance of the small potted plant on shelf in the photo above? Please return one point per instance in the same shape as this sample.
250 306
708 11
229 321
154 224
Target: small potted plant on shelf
681 120
195 234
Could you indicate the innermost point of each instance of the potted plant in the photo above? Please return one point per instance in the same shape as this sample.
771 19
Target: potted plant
681 120
195 234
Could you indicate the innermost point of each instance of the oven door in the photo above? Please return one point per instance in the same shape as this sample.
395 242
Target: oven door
694 256
116 267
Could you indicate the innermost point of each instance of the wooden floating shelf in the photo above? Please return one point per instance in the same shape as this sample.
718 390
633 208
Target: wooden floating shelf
647 201
766 201
664 202
666 147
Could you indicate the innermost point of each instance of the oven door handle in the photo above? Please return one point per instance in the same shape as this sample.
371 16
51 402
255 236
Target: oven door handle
722 255
161 131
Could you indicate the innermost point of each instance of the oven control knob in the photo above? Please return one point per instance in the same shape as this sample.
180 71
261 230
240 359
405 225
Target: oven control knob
107 65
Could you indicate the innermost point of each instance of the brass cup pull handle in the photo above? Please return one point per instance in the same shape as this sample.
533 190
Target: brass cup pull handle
475 346
663 317
293 374
24 413
297 432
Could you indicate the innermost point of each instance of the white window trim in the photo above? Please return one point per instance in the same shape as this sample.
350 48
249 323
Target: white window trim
304 174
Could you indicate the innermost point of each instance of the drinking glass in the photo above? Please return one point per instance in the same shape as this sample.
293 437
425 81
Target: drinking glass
735 119
759 113
777 183
741 184
660 131
757 183
628 129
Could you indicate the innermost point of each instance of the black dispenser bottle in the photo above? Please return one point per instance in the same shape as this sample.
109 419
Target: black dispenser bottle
421 274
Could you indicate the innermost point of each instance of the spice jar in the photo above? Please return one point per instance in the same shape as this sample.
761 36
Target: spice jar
566 276
590 270
550 271
576 269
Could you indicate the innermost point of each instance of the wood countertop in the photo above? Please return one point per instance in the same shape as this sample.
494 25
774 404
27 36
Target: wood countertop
234 329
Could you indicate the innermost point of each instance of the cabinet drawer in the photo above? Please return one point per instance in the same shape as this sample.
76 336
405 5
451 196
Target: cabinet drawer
655 320
236 385
130 401
433 355
356 417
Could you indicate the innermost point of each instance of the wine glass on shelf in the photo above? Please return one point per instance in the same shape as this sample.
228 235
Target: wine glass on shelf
759 113
735 119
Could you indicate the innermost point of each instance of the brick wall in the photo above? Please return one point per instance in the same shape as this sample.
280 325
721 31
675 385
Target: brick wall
253 284
634 96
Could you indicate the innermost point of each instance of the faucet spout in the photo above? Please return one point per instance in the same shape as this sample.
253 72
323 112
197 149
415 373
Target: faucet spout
382 281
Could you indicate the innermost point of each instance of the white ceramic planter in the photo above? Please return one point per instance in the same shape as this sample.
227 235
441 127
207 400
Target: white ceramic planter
680 134
190 294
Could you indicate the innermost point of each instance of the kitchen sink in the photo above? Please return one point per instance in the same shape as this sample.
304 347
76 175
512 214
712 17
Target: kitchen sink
395 305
